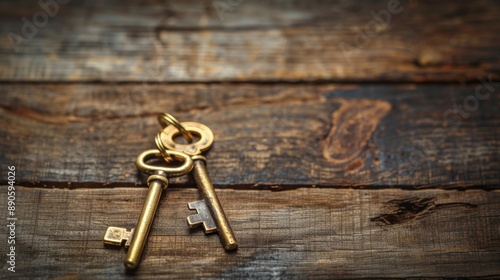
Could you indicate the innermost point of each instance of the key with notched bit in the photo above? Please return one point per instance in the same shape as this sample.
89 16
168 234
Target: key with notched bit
135 239
210 214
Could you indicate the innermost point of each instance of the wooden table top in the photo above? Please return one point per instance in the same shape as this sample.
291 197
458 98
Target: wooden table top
352 139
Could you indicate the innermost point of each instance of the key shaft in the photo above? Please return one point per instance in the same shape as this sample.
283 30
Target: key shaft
207 192
156 184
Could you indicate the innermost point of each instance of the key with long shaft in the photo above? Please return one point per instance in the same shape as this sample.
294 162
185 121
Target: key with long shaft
135 239
209 210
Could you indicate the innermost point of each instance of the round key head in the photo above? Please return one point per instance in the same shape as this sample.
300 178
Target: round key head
206 138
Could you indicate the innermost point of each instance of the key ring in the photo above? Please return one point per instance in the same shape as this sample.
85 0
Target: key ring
165 119
162 148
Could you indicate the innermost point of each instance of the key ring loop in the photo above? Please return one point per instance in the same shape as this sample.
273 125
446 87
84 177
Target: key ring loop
165 119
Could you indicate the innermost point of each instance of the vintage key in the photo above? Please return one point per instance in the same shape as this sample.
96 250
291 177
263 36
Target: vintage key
209 210
135 239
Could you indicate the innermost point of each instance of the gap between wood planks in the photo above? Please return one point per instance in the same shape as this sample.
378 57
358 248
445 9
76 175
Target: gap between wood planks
185 183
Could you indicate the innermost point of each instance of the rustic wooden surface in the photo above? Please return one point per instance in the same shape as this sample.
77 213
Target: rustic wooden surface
330 164
302 233
258 41
266 135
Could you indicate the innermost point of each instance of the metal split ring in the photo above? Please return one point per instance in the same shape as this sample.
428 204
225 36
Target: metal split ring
165 119
172 171
162 148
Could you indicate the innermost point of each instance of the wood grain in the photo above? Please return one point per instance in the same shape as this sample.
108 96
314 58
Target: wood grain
337 136
168 41
302 233
266 135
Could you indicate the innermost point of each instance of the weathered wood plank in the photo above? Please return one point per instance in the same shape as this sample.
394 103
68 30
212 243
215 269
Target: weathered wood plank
300 233
266 135
170 41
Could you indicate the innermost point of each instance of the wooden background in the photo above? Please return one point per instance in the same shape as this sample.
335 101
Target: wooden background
379 160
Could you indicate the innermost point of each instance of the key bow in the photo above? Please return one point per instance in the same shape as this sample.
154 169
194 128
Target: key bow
149 169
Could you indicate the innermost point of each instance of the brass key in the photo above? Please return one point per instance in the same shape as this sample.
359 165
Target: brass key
209 210
135 239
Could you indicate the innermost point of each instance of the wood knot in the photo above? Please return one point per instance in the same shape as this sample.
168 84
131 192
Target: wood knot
353 123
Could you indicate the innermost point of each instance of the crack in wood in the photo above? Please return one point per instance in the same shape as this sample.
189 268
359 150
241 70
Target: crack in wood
405 210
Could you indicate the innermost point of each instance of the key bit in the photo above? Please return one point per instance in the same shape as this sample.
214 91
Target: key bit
202 218
116 236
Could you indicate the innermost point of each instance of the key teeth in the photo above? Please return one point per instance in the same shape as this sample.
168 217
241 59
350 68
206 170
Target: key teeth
203 217
116 236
